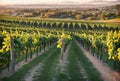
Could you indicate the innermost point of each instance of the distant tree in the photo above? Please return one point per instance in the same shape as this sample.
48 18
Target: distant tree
109 15
34 14
117 14
118 7
47 15
102 16
42 15
78 16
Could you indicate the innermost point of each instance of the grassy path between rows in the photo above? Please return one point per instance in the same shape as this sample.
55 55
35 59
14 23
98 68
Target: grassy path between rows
48 67
79 67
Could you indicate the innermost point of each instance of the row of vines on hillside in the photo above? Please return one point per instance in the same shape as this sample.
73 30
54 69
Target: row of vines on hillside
67 25
105 45
25 44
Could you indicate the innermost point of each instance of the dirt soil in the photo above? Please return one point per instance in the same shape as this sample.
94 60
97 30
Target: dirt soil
106 72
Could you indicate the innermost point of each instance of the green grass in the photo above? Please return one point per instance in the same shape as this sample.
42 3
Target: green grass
73 68
48 68
73 71
18 76
77 55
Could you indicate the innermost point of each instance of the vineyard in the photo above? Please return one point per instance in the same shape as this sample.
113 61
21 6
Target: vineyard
55 48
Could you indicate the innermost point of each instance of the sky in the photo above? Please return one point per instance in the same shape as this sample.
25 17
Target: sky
12 2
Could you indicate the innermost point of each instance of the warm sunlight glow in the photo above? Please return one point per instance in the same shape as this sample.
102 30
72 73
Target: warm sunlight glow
42 1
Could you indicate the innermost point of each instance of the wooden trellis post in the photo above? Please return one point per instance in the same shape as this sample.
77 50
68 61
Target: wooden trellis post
62 49
12 57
